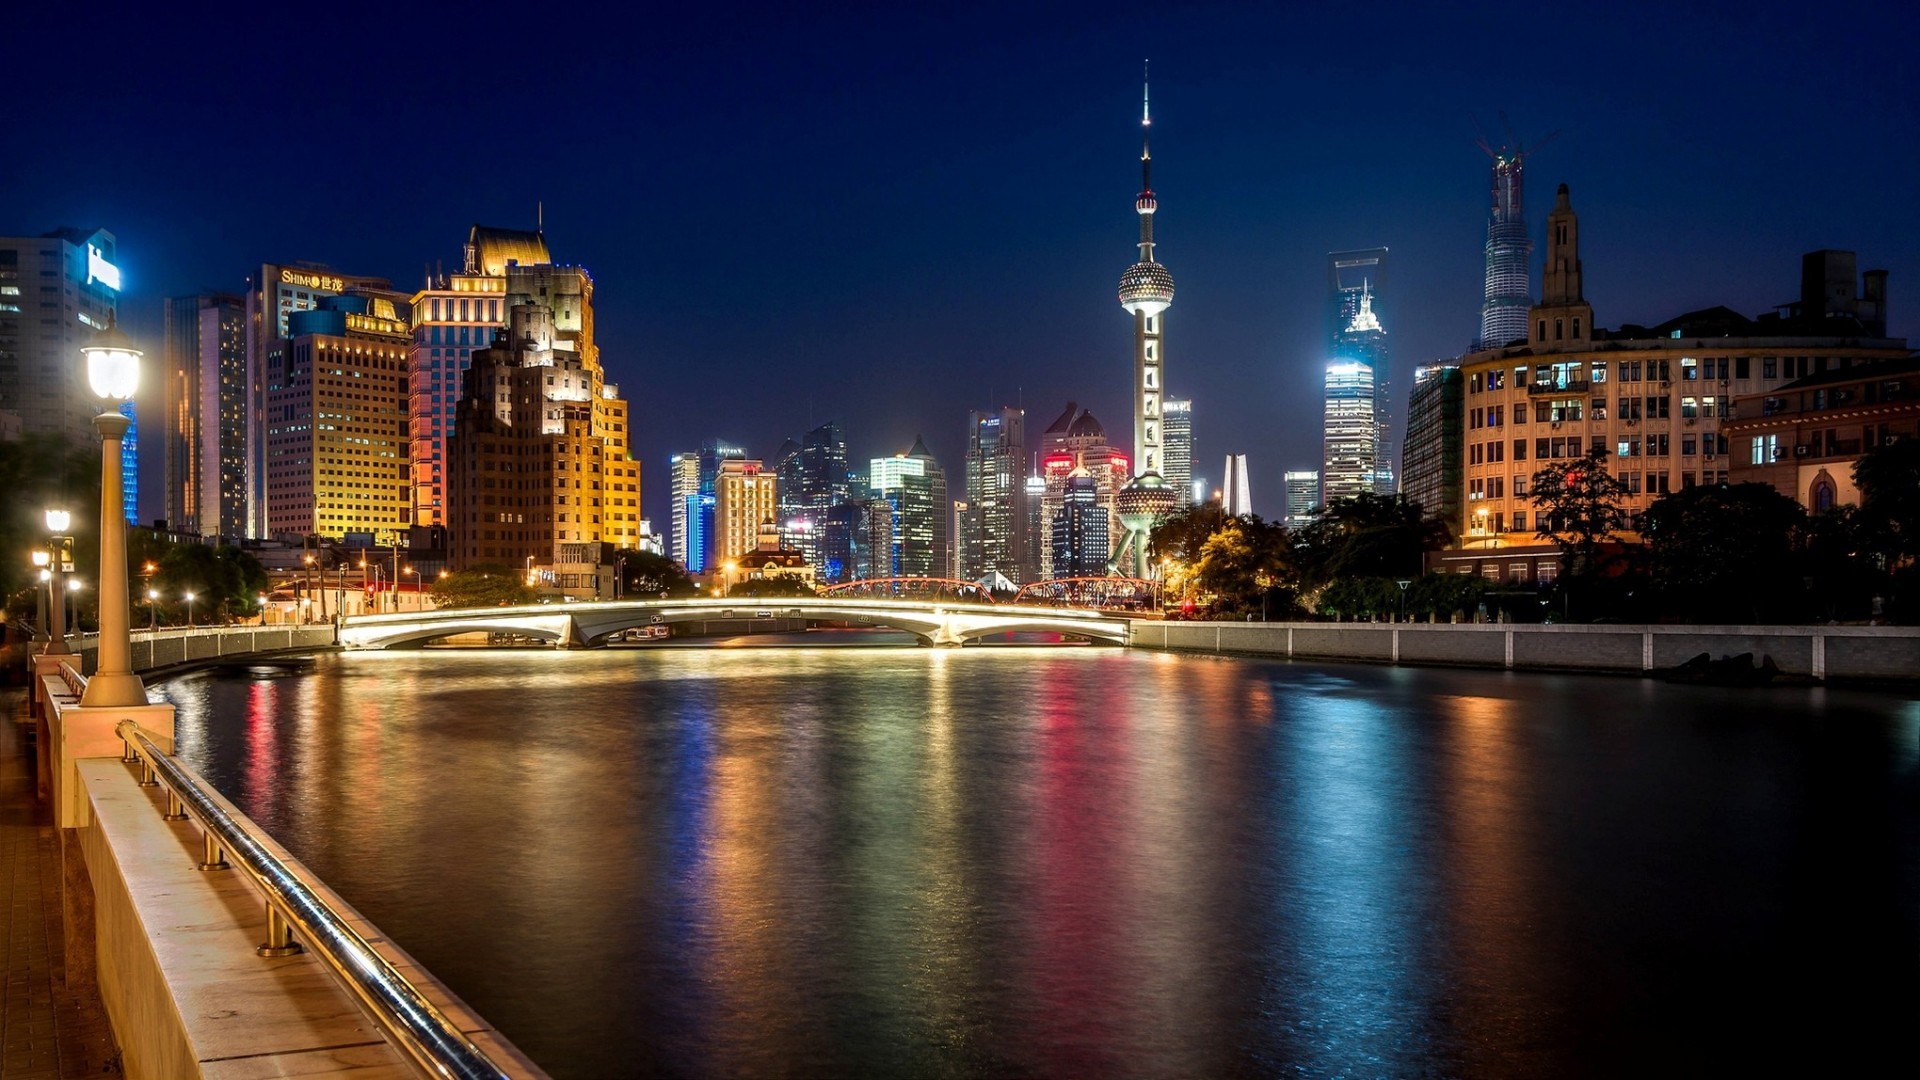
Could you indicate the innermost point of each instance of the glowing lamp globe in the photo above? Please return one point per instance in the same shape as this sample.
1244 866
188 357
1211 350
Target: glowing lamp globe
58 520
113 364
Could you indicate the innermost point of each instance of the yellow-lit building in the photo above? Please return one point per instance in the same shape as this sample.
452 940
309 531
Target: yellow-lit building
540 456
744 498
1655 399
336 394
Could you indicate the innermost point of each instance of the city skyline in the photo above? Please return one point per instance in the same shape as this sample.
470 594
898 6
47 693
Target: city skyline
698 221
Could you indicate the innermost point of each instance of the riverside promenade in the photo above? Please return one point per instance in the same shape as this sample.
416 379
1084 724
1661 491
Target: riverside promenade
49 1027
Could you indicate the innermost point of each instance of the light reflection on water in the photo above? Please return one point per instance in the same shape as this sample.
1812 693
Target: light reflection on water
1072 862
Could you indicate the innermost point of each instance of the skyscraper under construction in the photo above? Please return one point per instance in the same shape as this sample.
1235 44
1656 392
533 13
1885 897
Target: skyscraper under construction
1503 316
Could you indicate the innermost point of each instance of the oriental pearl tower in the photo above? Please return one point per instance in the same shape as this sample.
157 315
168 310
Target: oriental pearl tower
1146 291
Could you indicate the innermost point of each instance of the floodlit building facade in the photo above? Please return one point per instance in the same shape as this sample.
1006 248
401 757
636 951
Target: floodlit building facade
914 485
204 401
1357 305
1177 466
1351 432
745 498
1805 437
992 527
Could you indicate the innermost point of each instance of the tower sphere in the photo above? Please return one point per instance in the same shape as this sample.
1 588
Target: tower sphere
1146 287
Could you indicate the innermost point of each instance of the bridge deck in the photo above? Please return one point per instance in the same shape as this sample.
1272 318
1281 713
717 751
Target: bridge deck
47 1029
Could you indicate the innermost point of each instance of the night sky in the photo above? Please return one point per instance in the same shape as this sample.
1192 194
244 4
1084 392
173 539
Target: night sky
893 215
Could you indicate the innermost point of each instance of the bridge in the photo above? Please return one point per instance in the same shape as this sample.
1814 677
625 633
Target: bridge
591 624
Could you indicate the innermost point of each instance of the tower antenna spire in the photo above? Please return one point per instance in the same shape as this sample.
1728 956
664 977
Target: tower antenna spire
1146 125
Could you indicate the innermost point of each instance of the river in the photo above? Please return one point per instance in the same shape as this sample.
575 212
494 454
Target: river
1084 861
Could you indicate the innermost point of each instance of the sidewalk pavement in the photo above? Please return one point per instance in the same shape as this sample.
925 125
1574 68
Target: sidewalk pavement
47 1029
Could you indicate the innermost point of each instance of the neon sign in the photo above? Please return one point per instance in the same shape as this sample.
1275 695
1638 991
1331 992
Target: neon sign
100 270
310 281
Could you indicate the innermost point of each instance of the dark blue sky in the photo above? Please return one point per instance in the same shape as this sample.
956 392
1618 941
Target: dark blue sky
893 215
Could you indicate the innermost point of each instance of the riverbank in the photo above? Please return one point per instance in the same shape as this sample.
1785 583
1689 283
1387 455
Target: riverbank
1827 653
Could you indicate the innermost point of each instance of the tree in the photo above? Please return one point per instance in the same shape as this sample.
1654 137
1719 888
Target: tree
648 574
485 585
1889 516
1181 534
225 580
1247 566
1577 506
1369 535
1726 553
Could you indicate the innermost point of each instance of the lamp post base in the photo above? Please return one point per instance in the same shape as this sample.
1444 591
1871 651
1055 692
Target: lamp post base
114 690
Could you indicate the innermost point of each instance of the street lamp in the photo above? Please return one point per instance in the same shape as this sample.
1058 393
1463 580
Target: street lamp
40 560
529 570
59 561
416 590
189 612
113 370
153 610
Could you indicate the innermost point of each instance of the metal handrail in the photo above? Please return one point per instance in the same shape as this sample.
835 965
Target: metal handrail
424 1035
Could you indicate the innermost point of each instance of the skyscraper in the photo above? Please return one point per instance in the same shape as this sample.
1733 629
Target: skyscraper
337 421
539 455
1431 466
1076 441
452 316
272 296
1079 530
57 290
1356 287
1509 289
1178 466
684 471
1303 496
1146 291
1351 435
1235 497
992 537
205 404
812 477
916 488
745 498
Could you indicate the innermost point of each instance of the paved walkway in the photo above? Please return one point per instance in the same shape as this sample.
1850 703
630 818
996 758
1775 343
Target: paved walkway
46 1030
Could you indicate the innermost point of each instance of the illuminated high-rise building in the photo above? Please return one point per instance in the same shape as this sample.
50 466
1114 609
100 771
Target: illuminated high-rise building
1356 332
1432 466
813 477
1080 530
916 487
56 291
992 538
205 405
336 453
453 315
1075 442
1351 435
540 453
745 498
1177 466
684 473
1037 555
1146 291
272 297
1303 497
1509 288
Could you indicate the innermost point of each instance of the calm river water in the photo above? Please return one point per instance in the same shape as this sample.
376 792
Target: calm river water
1095 862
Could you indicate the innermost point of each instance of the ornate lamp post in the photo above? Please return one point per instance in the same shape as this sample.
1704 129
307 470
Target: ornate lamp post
113 370
60 561
40 560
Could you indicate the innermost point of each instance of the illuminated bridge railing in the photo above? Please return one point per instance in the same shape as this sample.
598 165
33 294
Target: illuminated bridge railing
298 917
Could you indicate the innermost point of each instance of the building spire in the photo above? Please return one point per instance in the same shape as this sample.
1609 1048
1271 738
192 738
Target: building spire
1146 125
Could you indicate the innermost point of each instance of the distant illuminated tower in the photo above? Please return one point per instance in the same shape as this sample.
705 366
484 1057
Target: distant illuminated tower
1177 467
1235 497
1146 290
1503 317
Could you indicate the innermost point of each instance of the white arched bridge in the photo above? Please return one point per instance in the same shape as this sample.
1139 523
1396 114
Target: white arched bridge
591 624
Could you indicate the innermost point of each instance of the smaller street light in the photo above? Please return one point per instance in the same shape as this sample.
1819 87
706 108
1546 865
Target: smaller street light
153 610
189 612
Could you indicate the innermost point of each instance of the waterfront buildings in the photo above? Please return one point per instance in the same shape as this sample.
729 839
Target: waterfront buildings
915 487
768 561
1303 497
1357 334
1177 465
1038 554
453 315
1236 497
57 290
745 498
1431 454
991 534
272 297
539 454
812 476
1804 437
204 402
857 541
1655 399
1075 441
336 408
1080 529
1146 291
1509 287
